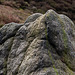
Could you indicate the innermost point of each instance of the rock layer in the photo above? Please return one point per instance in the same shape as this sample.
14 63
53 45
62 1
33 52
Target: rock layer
43 45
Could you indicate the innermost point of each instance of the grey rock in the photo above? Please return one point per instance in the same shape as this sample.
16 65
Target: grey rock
43 45
8 30
60 34
17 52
4 52
33 17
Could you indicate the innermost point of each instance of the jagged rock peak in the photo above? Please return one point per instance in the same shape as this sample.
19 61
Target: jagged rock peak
43 45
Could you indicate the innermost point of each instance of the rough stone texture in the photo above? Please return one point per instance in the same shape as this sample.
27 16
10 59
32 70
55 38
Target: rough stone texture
33 17
43 45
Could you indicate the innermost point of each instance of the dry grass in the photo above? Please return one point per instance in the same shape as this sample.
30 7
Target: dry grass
9 14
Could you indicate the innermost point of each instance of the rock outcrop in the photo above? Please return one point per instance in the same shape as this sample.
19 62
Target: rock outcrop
43 45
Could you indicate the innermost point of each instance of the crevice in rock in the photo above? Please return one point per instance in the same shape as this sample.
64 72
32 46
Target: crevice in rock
23 57
21 62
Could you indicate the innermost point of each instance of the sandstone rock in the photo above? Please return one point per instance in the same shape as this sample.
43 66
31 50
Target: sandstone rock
43 45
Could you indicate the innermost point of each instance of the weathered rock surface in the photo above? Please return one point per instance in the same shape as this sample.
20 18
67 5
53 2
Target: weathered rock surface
43 45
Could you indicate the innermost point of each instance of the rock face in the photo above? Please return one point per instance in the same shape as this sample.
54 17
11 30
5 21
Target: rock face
43 45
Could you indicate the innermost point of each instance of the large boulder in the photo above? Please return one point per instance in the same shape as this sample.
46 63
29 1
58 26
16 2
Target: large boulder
43 45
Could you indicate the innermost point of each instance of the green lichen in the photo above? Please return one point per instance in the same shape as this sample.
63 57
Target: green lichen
69 72
6 59
49 53
65 54
5 67
53 63
45 69
47 44
64 38
67 60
